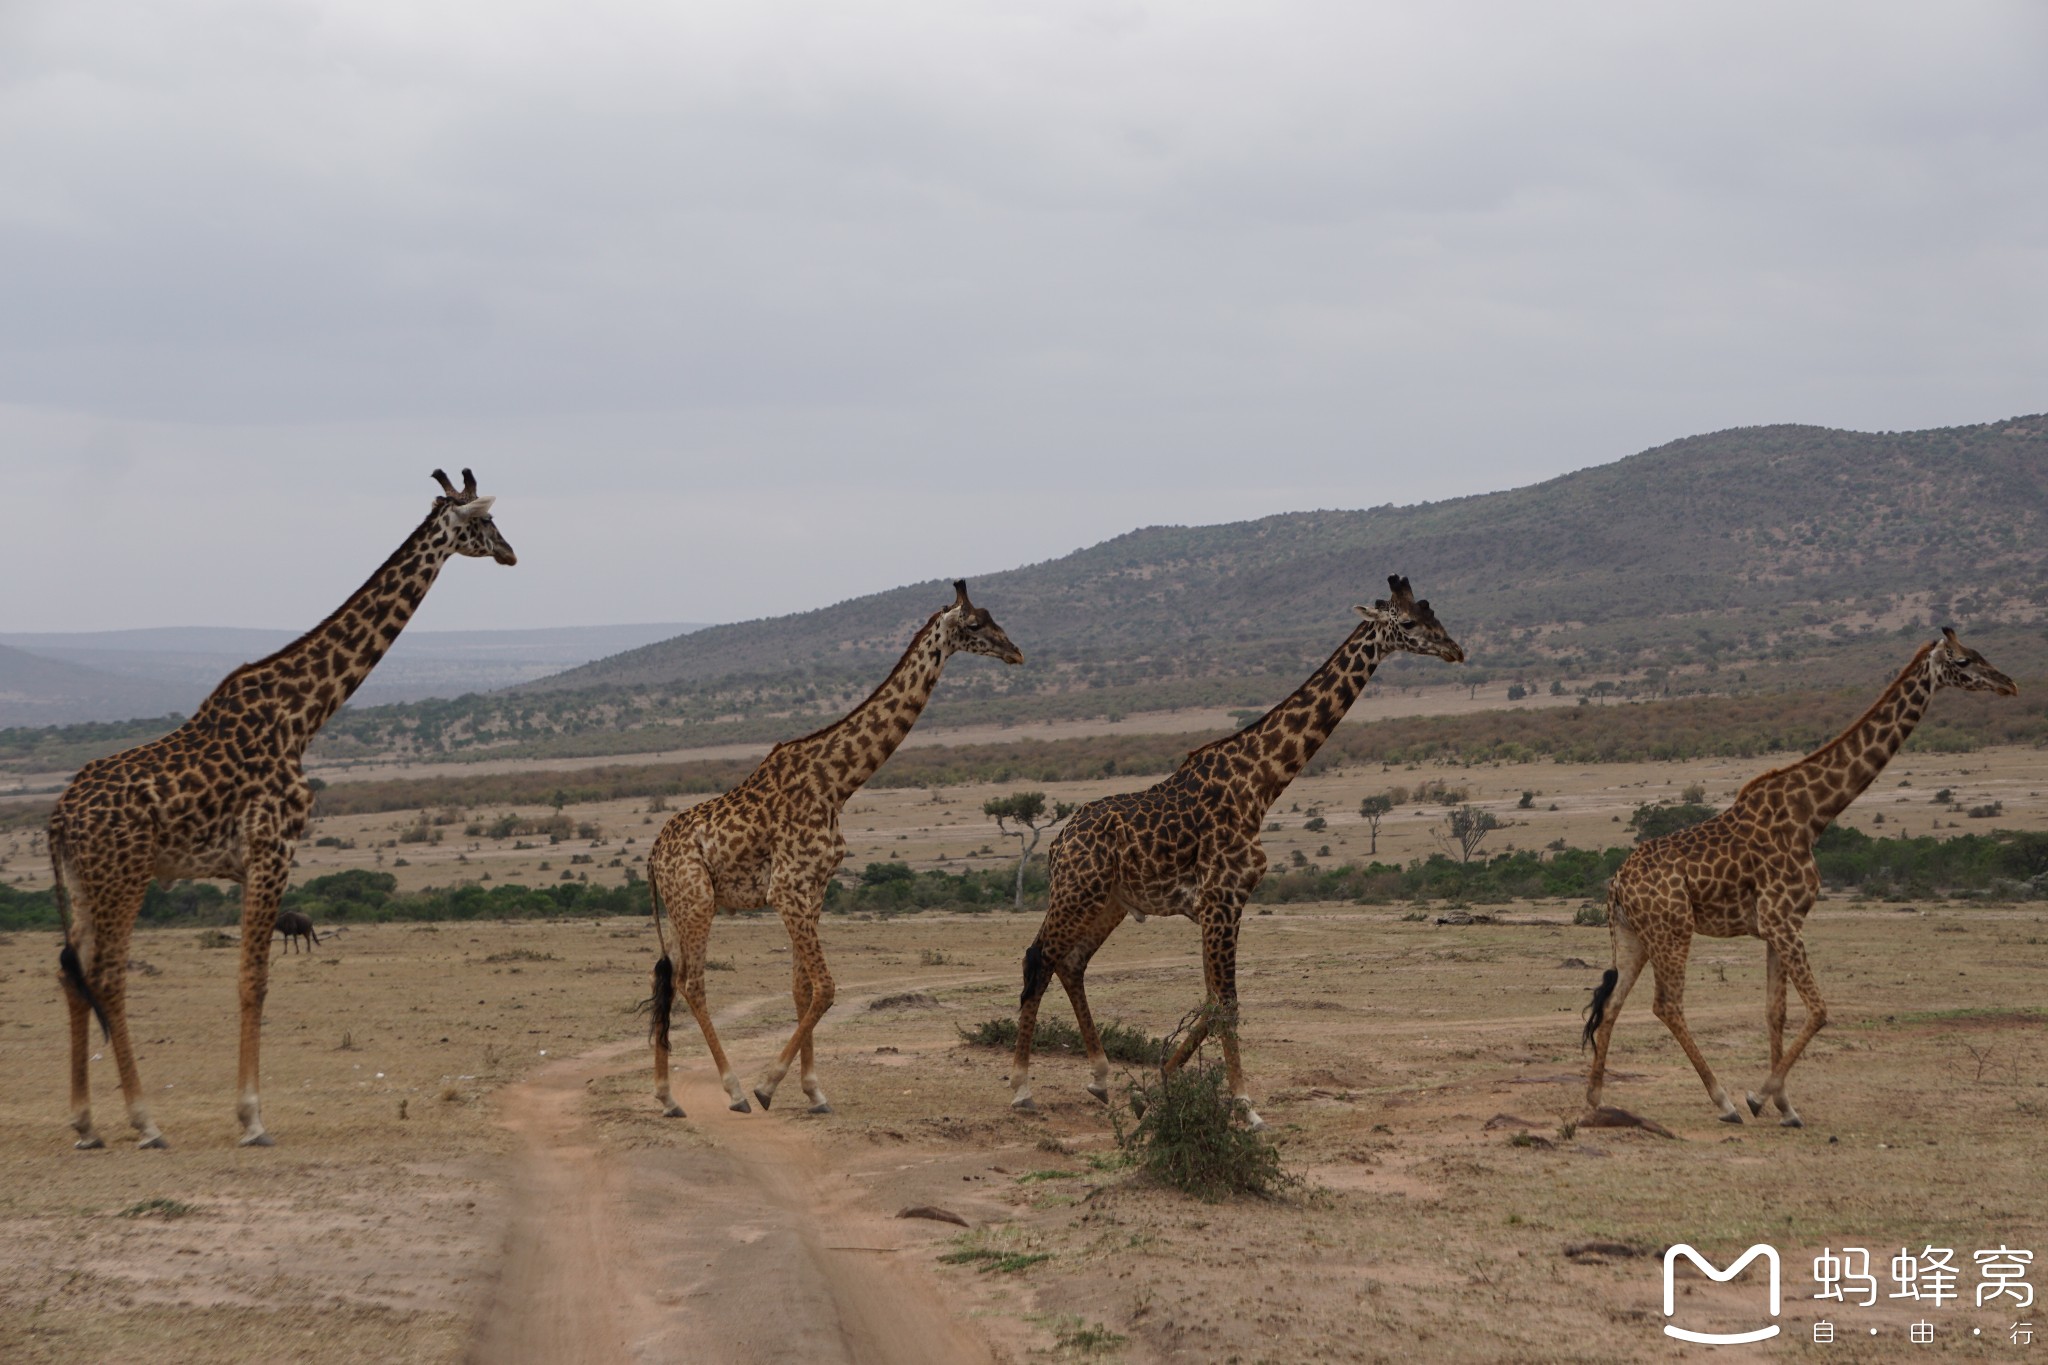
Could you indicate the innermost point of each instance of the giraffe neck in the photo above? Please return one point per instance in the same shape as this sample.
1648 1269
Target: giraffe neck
1838 772
298 689
1267 755
848 753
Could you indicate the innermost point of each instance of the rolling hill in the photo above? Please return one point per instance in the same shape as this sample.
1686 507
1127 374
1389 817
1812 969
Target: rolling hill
1784 554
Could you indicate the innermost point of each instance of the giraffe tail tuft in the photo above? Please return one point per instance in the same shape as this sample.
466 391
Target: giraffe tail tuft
661 1005
1037 971
1597 1009
74 976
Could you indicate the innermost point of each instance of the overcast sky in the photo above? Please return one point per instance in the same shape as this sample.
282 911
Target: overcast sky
742 308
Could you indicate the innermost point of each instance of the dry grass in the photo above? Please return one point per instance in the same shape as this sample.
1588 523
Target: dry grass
1378 1049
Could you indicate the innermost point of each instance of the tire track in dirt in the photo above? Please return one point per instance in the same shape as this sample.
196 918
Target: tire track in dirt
751 1248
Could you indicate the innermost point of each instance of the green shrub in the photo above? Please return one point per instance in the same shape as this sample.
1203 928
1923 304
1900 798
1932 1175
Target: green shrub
1192 1135
1120 1041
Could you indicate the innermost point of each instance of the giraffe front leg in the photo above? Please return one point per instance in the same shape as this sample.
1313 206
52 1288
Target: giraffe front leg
801 919
1219 955
800 991
1774 1021
261 891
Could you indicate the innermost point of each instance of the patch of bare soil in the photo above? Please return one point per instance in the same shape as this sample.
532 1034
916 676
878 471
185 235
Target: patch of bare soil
471 1164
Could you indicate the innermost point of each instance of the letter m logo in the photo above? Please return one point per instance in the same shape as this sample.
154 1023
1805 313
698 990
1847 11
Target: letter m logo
1671 1256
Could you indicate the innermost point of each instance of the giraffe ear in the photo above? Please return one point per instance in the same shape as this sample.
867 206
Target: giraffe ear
1367 611
474 508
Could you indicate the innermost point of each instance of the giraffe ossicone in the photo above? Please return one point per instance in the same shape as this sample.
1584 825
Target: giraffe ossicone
1189 845
774 840
1749 871
225 795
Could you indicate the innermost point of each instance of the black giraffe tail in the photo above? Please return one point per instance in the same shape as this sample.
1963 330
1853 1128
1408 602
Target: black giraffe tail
1597 1009
662 1003
67 956
1037 971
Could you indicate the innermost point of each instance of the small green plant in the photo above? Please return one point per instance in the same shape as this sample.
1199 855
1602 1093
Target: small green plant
1032 1177
158 1208
719 964
1192 1135
1088 1338
988 1260
520 955
1120 1041
933 957
214 938
1592 913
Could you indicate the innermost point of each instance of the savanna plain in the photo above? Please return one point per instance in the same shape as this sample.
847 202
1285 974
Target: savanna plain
470 1164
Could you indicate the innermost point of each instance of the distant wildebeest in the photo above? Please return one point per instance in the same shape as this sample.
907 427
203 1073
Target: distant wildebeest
295 926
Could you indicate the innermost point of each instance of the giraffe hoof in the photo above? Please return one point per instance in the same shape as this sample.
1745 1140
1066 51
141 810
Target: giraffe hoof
1756 1106
1791 1121
1733 1116
767 1100
1100 1092
158 1144
741 1107
821 1107
1027 1105
258 1140
88 1144
673 1111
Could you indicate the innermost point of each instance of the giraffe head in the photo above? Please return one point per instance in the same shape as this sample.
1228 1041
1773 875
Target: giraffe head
469 516
1955 664
1410 625
970 628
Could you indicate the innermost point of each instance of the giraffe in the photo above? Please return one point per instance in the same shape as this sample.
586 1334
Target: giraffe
1750 870
224 795
1190 844
774 840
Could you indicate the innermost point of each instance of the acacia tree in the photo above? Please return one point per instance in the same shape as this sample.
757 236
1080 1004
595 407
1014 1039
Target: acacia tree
1027 811
1466 828
1372 810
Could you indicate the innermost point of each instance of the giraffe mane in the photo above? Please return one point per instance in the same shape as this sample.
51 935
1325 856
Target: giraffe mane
258 665
902 663
1919 657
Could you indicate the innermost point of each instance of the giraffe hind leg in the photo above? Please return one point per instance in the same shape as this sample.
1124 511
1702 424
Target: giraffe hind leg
1630 954
1667 961
78 1000
1800 972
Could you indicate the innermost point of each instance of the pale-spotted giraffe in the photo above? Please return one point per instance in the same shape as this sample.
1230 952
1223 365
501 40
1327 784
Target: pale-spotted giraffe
224 795
1190 845
774 840
1750 871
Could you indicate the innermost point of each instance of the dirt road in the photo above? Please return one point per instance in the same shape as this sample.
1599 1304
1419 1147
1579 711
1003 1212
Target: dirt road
744 1247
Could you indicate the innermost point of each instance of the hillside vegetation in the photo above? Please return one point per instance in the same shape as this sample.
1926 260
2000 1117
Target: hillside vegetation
1787 553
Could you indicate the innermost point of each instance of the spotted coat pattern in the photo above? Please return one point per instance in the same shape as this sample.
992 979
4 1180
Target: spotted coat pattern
1750 871
1189 845
774 840
224 795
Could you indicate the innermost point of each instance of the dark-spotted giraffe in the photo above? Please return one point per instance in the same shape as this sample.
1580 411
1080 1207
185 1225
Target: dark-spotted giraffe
1750 870
1190 845
224 795
774 840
